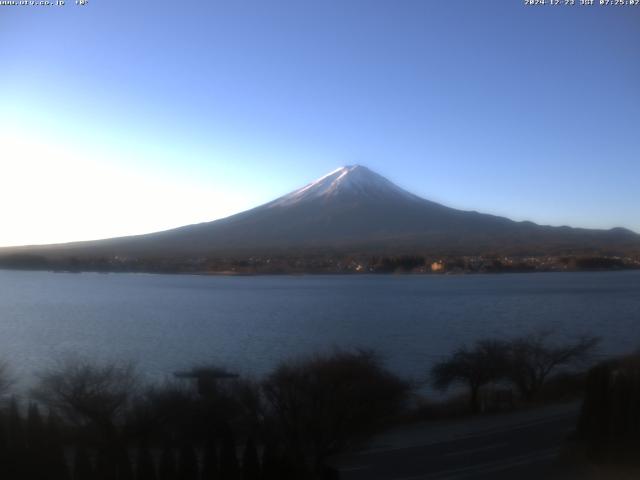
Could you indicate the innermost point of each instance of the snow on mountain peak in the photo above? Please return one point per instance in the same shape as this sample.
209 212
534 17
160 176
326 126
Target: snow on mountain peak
349 180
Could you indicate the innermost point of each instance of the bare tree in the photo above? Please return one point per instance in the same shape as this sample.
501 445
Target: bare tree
533 358
325 403
181 408
164 408
87 392
473 367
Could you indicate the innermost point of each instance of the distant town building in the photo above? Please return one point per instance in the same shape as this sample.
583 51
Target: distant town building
437 266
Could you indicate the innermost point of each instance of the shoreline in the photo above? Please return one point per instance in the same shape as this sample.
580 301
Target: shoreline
231 273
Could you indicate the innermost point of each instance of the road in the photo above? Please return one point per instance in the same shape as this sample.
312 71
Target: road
517 448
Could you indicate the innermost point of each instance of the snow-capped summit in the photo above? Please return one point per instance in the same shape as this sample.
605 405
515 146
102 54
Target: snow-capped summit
349 181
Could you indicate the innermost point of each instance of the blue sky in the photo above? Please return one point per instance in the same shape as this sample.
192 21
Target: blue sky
125 117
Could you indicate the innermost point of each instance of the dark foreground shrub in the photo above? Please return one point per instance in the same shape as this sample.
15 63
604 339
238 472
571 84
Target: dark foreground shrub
325 404
609 423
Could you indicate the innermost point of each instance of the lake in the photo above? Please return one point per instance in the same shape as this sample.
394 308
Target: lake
169 322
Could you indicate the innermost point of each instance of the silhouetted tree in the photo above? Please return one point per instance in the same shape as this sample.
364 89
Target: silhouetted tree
4 446
169 409
56 461
36 444
145 468
85 392
167 468
113 463
229 468
16 442
246 403
270 462
210 470
609 422
96 396
17 438
35 428
474 367
533 358
124 468
82 466
326 403
250 462
106 467
187 462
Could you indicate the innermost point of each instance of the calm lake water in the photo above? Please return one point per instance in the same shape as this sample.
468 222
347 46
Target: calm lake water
169 322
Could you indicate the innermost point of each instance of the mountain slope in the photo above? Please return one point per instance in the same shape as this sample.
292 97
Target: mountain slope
353 209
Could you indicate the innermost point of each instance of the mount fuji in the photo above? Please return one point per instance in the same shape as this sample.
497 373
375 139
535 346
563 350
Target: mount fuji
352 210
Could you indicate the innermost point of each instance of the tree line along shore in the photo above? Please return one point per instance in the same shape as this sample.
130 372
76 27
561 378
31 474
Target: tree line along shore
325 264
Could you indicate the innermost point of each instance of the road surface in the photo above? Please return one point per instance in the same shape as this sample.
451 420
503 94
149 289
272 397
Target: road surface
516 446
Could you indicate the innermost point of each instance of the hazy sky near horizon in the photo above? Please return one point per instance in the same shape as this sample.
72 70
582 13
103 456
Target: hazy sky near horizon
123 117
